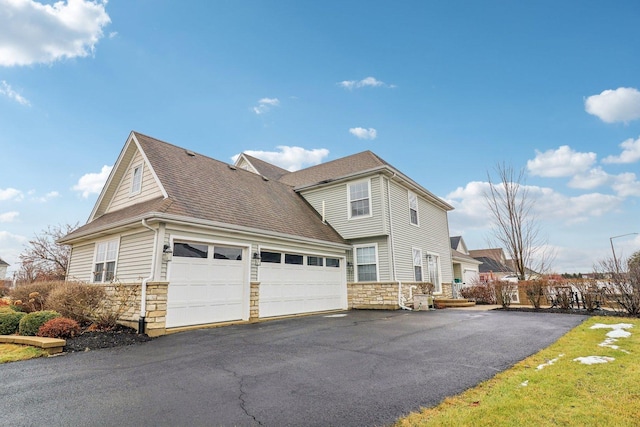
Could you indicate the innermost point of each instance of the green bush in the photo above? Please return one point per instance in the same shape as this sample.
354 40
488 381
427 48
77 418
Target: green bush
30 323
59 327
9 321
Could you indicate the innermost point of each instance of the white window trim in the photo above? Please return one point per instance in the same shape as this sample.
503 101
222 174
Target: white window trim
349 184
355 260
106 260
140 165
413 262
438 286
411 193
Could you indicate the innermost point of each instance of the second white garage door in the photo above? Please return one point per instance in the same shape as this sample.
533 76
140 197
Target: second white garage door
207 284
292 283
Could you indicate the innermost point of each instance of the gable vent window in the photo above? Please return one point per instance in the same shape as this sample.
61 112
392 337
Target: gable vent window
359 199
136 179
413 208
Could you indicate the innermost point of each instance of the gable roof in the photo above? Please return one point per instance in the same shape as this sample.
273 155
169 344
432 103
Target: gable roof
263 168
496 254
490 265
455 241
3 263
350 167
459 256
212 192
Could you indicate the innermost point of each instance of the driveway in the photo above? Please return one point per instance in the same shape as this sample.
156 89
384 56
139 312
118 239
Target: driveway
360 368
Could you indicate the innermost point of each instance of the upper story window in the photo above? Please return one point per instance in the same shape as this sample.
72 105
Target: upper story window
106 254
413 208
360 199
136 179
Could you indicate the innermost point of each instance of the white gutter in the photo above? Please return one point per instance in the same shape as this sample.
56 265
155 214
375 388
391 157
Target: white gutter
143 295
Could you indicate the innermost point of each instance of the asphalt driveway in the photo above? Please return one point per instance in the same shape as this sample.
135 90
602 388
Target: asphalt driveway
361 368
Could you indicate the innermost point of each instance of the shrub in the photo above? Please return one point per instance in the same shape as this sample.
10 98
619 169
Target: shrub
59 327
9 321
535 291
26 292
482 293
30 323
78 301
504 292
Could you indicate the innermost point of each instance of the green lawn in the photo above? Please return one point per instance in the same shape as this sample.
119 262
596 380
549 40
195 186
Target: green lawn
561 393
14 352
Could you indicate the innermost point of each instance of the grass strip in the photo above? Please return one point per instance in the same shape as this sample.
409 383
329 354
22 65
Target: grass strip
551 389
15 352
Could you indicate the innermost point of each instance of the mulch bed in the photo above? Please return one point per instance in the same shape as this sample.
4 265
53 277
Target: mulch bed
116 337
583 312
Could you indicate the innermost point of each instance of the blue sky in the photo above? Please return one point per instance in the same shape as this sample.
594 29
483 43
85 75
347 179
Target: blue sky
442 90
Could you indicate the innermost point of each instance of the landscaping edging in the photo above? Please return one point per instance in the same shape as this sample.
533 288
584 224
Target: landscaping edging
50 345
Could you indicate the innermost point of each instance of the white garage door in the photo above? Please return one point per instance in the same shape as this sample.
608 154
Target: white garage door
470 276
293 283
206 284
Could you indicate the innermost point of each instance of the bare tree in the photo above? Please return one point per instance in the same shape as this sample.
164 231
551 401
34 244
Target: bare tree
622 283
43 258
515 227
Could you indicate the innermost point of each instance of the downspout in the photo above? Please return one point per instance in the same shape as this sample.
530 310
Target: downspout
143 295
393 249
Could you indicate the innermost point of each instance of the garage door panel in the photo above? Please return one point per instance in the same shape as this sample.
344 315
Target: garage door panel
206 290
292 289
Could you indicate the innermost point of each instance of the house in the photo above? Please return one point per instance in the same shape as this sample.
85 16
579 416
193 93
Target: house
466 269
3 269
495 265
202 241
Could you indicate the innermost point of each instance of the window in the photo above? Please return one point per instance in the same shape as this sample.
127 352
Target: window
417 264
190 250
136 179
333 262
314 260
273 257
359 201
105 261
413 208
433 274
226 252
293 259
366 263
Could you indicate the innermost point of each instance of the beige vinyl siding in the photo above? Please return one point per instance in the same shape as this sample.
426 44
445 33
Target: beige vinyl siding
150 189
134 257
337 209
432 234
81 263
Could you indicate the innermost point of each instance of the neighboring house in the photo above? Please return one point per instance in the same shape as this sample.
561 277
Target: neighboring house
494 265
203 241
3 269
466 269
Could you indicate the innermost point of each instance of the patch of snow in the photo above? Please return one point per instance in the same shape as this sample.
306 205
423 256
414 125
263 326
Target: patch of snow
525 383
616 326
592 360
336 315
619 333
549 362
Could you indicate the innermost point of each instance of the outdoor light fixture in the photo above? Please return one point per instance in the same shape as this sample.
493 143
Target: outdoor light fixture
256 258
167 253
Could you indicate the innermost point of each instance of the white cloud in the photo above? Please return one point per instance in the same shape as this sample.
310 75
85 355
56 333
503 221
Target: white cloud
630 152
620 105
626 184
92 183
561 162
265 104
594 178
362 133
471 211
32 32
6 90
366 82
10 194
9 216
290 158
50 195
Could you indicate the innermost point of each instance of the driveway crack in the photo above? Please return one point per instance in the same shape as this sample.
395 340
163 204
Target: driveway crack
242 395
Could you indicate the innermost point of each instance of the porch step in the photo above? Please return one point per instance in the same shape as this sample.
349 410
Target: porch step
452 303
